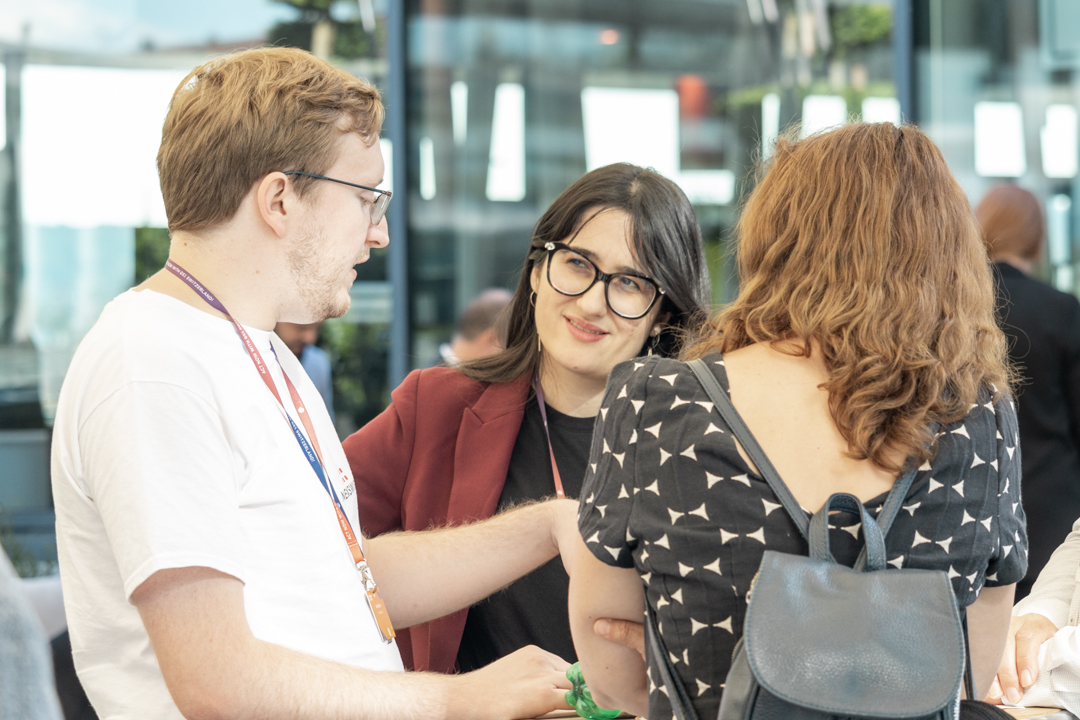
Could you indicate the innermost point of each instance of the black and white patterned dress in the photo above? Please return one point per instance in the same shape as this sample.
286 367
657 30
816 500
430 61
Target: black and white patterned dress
666 492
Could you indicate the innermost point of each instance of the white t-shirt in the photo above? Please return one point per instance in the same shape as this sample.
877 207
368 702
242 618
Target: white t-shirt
170 451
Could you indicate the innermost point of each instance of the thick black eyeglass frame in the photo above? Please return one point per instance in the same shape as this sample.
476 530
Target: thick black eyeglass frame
598 276
378 206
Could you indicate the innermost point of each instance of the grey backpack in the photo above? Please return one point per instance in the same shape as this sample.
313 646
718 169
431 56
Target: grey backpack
822 640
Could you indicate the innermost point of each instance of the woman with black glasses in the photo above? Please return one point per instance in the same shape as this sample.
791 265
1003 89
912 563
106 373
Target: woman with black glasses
615 269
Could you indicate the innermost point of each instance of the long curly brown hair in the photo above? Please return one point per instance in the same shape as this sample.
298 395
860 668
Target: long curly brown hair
859 242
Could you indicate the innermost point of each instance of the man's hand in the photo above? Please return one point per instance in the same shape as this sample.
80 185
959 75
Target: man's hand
1019 667
623 632
527 683
215 668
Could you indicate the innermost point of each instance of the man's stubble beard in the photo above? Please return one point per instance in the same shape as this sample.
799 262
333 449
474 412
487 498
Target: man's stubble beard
319 289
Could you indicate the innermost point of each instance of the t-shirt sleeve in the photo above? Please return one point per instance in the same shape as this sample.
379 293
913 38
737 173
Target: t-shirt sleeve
1008 563
610 484
159 469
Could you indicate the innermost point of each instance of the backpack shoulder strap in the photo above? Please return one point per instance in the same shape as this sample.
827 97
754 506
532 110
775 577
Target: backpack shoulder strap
731 416
681 706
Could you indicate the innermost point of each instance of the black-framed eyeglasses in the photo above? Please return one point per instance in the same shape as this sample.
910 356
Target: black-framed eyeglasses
378 206
570 273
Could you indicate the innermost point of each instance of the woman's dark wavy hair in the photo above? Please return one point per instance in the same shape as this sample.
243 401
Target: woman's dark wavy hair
665 239
859 242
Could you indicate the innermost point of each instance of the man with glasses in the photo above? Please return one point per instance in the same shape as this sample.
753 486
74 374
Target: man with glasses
209 542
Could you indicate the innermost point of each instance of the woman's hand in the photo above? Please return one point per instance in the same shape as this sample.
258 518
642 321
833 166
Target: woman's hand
1019 667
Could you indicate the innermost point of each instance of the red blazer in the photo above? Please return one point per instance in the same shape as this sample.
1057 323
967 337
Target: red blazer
437 456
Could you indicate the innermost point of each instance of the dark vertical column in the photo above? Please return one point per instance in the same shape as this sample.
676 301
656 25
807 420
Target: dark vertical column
398 215
903 41
10 205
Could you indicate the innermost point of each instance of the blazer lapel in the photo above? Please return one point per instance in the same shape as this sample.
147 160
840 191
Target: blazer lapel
485 443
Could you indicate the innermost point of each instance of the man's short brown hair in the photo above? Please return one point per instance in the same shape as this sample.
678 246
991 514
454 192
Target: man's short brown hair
239 117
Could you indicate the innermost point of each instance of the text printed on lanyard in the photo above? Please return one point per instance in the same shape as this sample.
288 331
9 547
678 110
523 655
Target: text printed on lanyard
312 451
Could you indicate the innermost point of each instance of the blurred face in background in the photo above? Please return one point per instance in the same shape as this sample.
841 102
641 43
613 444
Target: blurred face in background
296 336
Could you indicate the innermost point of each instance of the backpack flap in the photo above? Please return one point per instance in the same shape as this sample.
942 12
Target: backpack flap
848 643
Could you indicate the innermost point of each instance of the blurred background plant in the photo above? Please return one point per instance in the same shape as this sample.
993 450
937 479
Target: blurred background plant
331 28
26 562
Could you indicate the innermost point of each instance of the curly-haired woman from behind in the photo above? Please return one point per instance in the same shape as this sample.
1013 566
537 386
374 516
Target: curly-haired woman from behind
862 344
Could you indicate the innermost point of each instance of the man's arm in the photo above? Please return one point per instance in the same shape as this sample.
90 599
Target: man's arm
426 575
215 668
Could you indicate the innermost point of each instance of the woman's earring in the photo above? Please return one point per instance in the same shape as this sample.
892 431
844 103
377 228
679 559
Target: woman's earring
532 299
655 339
539 347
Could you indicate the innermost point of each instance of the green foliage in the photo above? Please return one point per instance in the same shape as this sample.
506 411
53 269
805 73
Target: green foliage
25 562
314 9
360 355
151 251
351 41
291 34
350 38
856 26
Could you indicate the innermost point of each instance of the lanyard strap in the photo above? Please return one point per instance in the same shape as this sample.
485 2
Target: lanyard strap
312 451
543 415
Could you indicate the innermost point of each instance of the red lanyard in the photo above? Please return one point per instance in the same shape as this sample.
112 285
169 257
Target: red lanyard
543 414
312 451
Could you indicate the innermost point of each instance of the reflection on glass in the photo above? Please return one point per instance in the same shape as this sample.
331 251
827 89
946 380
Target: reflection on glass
995 87
770 122
696 90
427 168
92 80
633 125
459 108
3 101
879 109
999 139
113 139
821 112
506 163
1059 142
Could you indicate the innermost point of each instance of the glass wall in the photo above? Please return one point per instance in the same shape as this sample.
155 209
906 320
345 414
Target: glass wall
85 85
996 88
501 105
510 101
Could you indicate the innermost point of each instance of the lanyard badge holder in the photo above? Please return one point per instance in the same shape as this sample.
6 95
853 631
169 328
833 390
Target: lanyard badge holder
312 452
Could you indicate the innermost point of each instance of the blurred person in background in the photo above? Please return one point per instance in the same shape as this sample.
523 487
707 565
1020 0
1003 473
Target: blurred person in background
301 339
27 691
1043 328
615 269
478 334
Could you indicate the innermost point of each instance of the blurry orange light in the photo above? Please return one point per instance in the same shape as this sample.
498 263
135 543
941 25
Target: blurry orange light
609 37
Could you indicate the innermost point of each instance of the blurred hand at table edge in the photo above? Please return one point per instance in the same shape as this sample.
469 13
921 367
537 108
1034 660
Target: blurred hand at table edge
622 632
1019 667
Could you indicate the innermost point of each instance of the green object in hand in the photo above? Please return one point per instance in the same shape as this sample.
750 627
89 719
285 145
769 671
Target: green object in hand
581 700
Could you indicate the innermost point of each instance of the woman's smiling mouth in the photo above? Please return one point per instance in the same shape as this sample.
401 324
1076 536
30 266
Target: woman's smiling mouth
586 332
